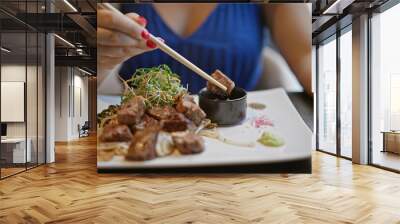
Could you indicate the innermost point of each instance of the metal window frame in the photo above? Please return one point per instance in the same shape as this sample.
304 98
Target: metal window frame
340 33
334 37
324 41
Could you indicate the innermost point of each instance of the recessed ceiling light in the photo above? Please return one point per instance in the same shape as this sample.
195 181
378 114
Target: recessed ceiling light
65 41
337 7
5 50
70 6
84 71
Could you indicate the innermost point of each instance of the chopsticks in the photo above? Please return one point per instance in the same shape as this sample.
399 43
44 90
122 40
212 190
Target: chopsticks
165 48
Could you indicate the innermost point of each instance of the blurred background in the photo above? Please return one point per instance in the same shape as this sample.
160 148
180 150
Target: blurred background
48 68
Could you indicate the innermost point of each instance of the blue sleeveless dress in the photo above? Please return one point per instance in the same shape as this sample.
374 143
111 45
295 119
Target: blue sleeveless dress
230 39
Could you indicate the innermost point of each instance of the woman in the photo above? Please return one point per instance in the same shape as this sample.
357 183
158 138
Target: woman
228 37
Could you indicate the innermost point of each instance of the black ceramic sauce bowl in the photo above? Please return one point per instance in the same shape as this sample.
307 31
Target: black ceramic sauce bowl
224 112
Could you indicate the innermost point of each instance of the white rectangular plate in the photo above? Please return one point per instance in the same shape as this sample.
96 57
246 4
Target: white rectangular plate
287 124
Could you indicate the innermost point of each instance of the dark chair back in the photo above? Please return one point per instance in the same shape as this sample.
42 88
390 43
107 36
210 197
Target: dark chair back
86 126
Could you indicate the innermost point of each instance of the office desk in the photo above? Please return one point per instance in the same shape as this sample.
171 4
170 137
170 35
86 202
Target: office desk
13 150
391 141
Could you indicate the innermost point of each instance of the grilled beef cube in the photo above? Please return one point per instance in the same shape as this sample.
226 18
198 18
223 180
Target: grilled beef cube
187 106
189 98
182 106
178 122
224 80
115 133
195 114
132 111
184 102
162 113
188 143
143 146
149 122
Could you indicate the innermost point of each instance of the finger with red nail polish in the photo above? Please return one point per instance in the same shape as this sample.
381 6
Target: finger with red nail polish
142 21
150 44
145 34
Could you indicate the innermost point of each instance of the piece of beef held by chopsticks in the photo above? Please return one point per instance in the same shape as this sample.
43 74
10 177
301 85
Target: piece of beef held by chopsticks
132 111
224 80
188 143
115 133
143 145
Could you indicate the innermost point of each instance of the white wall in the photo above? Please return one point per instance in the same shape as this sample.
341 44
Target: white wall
80 102
15 72
70 84
61 104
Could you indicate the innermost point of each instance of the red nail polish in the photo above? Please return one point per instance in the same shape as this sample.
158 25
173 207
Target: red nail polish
145 34
142 21
150 44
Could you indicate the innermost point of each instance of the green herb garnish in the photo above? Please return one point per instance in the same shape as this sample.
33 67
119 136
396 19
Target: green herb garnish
158 85
269 139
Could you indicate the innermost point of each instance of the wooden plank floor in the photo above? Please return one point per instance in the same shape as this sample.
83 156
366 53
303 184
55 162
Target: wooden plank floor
71 191
10 171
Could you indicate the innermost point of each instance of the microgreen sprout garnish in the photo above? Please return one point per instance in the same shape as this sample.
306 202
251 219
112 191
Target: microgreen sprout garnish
158 85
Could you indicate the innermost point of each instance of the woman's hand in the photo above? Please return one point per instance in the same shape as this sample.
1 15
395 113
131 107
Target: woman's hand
118 38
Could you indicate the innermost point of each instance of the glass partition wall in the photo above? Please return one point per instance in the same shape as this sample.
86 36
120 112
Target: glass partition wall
334 105
22 77
345 62
385 89
13 85
327 95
